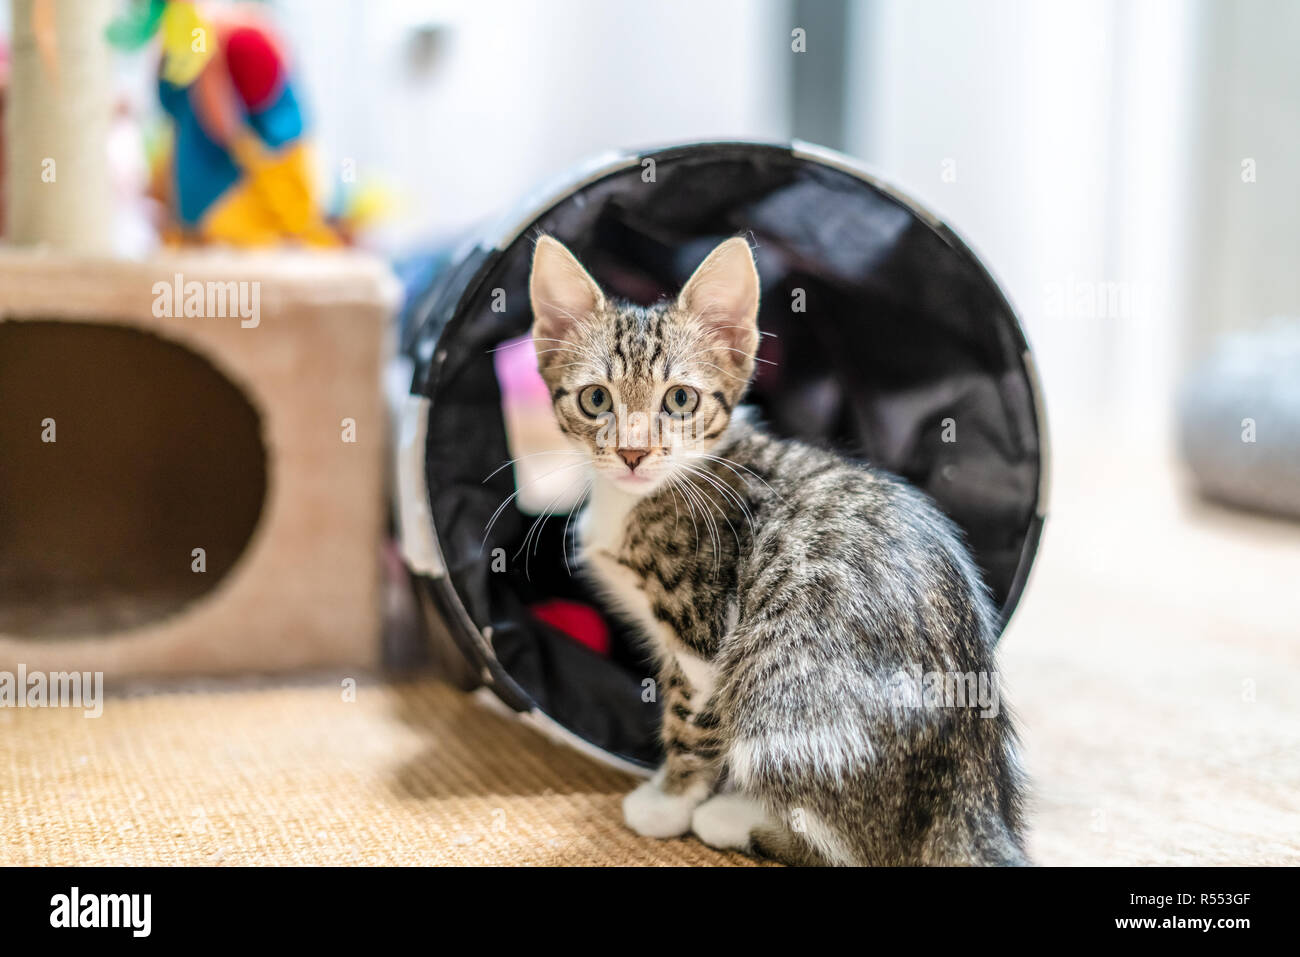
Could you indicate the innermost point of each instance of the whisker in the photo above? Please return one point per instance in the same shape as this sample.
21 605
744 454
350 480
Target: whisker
538 525
724 371
728 492
676 486
709 523
572 512
733 465
531 455
742 352
728 495
509 498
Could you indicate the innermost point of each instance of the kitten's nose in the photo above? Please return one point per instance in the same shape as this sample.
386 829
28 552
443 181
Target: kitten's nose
633 457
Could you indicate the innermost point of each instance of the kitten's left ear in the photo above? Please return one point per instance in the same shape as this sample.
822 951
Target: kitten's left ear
722 296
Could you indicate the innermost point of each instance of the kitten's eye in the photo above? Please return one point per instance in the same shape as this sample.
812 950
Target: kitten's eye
681 400
594 400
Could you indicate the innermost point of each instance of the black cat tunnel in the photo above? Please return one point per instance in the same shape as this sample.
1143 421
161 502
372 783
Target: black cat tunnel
887 339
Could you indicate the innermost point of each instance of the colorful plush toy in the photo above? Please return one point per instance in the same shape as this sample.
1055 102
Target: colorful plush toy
240 169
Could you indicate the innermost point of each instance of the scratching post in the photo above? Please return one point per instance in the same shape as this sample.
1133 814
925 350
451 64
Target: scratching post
58 114
192 473
191 449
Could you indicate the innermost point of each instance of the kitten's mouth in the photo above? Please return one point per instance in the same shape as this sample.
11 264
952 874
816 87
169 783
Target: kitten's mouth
633 479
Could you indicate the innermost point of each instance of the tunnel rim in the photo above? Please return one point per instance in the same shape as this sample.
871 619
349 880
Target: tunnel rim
491 244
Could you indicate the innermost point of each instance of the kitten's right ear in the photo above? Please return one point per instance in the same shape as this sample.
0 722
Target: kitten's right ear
563 294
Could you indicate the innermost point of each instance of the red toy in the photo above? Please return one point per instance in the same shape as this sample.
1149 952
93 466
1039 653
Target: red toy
580 622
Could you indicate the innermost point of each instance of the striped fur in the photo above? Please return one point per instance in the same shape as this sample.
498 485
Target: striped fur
785 593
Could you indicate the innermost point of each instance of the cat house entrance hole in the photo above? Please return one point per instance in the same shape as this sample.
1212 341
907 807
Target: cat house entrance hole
889 341
121 453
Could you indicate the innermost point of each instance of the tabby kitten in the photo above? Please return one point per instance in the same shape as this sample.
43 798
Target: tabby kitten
787 595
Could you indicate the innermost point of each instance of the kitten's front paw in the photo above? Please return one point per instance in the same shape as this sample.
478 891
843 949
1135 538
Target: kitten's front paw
727 821
652 813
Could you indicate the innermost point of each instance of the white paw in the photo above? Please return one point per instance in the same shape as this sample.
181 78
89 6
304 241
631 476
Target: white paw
726 821
652 813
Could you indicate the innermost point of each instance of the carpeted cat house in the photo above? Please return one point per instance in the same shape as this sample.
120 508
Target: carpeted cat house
885 338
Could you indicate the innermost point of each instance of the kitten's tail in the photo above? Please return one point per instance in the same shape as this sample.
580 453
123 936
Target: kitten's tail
990 843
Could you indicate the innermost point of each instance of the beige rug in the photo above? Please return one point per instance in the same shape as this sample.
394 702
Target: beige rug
413 773
1155 666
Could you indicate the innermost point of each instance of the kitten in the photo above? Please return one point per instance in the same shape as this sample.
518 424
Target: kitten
792 599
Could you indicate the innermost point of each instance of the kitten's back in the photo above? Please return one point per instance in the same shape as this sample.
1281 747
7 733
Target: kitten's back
854 583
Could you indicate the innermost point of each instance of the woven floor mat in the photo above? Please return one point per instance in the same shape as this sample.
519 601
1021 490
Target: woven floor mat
408 773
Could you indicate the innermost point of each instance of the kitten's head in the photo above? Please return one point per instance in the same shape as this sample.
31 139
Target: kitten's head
646 391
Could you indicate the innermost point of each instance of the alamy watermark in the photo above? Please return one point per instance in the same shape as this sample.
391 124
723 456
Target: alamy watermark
133 912
212 299
1097 299
913 687
53 689
638 429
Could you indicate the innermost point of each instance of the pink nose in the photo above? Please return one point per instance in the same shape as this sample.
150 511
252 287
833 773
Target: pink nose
633 457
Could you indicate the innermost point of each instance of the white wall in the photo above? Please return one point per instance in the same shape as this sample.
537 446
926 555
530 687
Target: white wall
1094 146
1248 237
1065 130
519 91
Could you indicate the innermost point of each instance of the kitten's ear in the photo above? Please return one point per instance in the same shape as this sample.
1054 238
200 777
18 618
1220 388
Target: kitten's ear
562 293
722 296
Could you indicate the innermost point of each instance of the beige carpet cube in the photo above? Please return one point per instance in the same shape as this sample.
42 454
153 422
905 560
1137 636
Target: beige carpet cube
191 461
